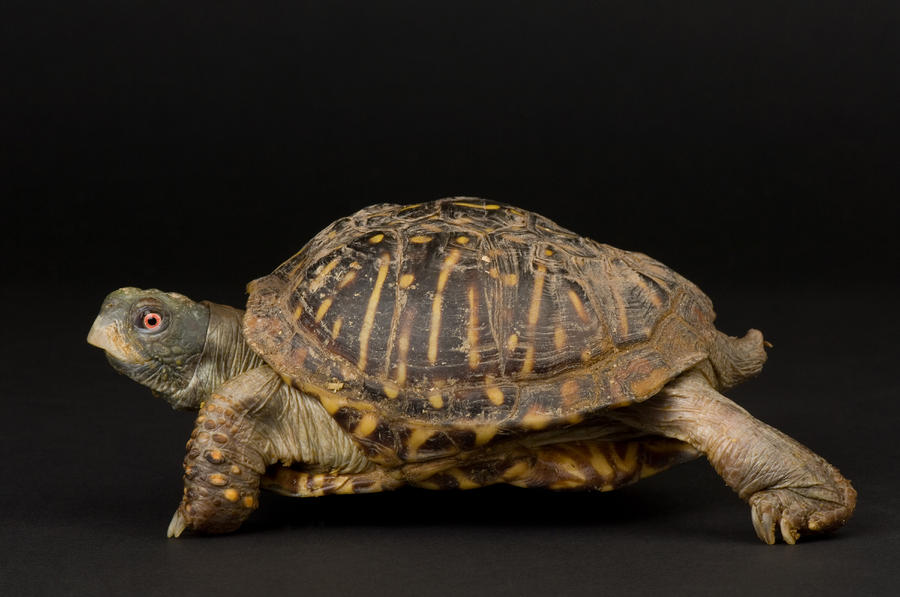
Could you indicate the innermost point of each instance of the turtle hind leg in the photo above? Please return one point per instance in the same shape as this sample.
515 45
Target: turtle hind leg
788 487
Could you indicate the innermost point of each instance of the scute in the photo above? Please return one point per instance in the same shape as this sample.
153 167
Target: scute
435 328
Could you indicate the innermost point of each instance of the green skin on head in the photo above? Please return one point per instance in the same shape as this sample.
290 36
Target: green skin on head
155 338
251 427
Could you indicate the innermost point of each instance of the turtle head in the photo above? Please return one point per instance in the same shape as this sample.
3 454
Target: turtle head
156 338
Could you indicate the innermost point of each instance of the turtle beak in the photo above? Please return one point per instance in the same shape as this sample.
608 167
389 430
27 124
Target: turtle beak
105 334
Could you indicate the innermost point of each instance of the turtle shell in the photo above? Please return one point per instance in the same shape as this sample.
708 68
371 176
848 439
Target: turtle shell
431 329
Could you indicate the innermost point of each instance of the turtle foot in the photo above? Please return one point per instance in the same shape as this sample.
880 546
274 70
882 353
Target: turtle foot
799 511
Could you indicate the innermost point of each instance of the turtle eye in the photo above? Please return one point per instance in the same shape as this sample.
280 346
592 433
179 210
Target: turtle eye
150 320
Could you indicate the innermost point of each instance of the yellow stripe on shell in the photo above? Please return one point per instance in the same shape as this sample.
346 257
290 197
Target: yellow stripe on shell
534 313
629 462
317 281
569 389
512 342
495 395
417 438
369 318
535 421
474 356
462 480
559 337
323 309
475 205
366 425
391 390
484 434
600 463
436 305
403 350
345 281
578 306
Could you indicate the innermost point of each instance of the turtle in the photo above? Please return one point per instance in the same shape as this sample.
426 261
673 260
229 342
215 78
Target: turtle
455 344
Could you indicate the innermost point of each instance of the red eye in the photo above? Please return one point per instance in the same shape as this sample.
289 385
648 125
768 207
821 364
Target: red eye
152 321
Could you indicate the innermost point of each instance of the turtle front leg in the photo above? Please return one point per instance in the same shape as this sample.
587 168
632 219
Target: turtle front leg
786 484
225 456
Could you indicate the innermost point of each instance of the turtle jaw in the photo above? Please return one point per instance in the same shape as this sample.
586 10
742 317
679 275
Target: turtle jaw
105 334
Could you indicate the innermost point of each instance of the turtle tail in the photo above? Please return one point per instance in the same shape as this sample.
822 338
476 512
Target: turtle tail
737 359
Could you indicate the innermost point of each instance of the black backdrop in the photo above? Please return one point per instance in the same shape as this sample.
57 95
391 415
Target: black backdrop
193 146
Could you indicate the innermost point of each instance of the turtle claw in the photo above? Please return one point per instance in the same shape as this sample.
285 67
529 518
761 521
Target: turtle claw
801 511
764 524
177 525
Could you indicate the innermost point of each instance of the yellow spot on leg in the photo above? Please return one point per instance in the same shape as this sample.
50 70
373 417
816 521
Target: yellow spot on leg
217 479
369 319
232 495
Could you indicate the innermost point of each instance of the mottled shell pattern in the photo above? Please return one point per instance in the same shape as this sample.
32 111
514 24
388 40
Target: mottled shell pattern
433 329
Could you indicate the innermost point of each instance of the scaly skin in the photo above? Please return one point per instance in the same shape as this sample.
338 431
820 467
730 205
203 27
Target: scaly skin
787 486
249 423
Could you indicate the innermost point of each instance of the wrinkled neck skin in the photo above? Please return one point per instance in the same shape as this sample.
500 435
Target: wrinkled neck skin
225 355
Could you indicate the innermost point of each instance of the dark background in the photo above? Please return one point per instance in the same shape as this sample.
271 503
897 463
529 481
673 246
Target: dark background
194 146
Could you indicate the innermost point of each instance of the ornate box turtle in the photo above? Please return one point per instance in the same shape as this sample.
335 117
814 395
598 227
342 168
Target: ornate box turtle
456 344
